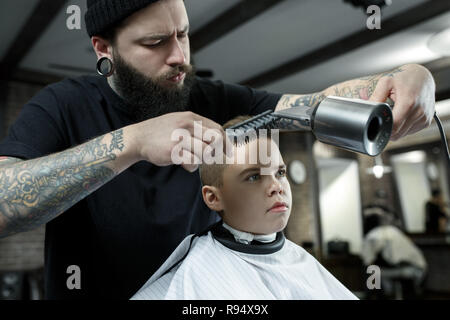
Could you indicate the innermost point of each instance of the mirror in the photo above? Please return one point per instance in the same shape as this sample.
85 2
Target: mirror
417 171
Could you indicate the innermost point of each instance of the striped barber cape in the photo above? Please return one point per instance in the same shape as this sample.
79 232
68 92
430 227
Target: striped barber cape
212 271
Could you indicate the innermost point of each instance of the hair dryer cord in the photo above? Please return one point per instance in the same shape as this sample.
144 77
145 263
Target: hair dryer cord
443 138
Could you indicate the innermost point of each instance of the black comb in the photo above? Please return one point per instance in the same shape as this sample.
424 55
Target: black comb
248 130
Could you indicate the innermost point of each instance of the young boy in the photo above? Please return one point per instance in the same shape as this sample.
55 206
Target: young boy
244 256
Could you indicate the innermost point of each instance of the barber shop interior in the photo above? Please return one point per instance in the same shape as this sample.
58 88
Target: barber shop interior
357 91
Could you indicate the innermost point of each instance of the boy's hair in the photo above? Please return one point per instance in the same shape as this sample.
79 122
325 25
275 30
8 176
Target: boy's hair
212 174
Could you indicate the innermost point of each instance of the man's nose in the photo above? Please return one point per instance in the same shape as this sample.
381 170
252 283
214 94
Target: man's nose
176 55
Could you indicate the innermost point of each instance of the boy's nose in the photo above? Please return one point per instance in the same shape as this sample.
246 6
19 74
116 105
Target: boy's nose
274 187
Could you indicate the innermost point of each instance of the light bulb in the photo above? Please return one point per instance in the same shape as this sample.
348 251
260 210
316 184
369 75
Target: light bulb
378 171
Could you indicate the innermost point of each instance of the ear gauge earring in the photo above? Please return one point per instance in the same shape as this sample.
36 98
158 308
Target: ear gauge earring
105 67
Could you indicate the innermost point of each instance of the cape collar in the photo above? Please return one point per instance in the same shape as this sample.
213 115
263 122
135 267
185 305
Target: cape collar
226 238
246 237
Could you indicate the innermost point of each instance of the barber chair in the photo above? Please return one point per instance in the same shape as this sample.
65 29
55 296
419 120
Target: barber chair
402 282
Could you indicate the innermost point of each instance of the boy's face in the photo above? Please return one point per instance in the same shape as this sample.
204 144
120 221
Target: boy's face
255 202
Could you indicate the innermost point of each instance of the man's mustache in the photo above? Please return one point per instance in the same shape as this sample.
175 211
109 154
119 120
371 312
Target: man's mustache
186 68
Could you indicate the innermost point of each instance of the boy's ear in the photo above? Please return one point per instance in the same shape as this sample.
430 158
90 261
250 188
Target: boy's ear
211 196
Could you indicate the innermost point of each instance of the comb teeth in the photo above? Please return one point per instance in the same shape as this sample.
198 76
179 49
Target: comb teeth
248 130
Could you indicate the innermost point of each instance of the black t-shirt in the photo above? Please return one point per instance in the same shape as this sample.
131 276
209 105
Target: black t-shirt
119 235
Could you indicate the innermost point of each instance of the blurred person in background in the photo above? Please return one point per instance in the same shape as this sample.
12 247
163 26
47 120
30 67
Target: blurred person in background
402 264
435 214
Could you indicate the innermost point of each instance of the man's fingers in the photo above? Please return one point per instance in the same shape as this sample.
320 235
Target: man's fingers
212 136
217 140
403 132
382 90
202 128
401 111
418 124
381 93
207 139
415 122
194 148
190 161
208 123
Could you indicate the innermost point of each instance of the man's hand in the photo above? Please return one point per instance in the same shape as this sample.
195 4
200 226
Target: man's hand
153 138
412 89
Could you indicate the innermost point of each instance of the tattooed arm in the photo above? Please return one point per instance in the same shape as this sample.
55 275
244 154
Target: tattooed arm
8 160
361 88
34 192
411 87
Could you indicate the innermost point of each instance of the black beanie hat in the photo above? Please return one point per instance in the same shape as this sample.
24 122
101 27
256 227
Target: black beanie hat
103 14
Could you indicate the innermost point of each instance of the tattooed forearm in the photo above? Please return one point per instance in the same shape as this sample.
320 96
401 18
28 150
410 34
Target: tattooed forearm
295 101
361 88
8 160
290 100
117 141
34 192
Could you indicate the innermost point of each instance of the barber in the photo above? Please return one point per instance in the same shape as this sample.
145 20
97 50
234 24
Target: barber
90 157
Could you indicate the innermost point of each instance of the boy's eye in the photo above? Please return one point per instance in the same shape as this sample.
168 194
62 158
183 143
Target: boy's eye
282 172
253 177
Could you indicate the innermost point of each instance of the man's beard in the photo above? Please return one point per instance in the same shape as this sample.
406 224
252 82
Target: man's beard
147 98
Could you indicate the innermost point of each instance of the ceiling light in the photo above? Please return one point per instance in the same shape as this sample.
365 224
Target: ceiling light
379 169
440 42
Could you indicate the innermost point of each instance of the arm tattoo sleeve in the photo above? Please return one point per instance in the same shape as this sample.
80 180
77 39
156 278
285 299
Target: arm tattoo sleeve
291 101
36 191
361 88
8 160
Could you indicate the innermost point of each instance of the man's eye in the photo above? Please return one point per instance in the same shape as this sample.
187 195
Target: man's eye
152 45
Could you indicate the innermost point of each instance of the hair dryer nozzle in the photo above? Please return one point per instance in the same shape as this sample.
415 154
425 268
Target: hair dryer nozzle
353 124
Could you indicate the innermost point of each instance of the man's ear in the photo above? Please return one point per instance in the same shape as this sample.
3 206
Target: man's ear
212 197
102 47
